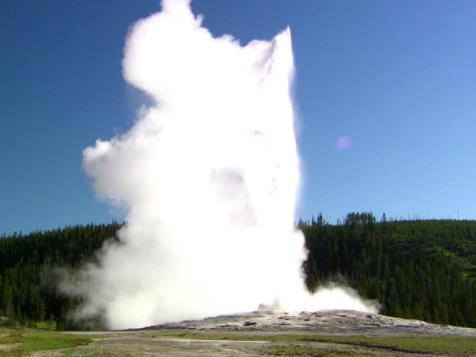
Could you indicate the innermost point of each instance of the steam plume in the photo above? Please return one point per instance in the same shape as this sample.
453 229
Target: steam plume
209 177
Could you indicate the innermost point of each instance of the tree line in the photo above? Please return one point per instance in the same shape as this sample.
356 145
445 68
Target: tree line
29 271
416 269
423 269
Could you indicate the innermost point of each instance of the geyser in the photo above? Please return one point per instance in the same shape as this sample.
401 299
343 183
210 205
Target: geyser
209 177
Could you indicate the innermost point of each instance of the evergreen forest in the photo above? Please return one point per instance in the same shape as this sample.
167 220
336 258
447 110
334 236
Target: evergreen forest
422 269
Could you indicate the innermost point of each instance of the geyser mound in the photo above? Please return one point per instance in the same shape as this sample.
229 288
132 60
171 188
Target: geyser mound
209 177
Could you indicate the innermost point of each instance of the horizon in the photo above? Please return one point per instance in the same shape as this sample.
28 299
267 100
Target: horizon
339 222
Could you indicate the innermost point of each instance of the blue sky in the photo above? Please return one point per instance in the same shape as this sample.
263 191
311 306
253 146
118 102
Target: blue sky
396 78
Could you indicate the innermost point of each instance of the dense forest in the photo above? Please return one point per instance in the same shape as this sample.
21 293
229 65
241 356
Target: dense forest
29 268
424 269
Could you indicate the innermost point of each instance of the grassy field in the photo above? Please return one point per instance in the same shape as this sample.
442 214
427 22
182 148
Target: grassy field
305 344
24 341
33 342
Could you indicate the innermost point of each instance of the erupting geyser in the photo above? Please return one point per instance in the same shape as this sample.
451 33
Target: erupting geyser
209 177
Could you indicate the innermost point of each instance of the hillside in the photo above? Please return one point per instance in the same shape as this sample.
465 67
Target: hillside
415 269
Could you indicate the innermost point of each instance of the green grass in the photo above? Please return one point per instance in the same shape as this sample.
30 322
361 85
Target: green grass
305 344
21 341
308 351
456 345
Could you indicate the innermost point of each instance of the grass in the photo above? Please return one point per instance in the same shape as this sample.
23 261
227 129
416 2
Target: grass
311 351
15 342
306 344
22 341
456 345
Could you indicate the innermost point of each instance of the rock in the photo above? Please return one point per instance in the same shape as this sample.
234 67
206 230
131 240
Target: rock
321 322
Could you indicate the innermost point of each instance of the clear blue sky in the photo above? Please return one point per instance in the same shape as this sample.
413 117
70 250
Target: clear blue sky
396 77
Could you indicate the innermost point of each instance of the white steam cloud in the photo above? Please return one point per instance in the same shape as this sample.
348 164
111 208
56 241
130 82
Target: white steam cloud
209 177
